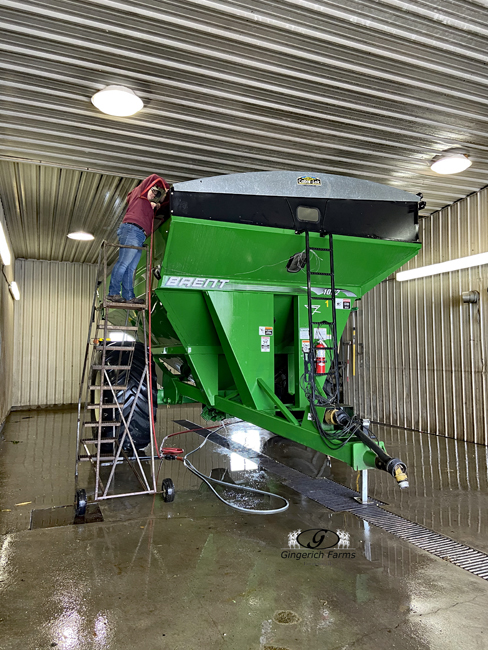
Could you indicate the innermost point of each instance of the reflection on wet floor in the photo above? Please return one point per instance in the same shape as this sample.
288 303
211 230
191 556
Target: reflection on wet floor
196 574
225 582
448 479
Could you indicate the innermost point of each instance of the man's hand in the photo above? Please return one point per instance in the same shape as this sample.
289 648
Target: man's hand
153 205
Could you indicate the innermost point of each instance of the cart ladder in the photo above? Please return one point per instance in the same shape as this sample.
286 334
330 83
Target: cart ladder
103 433
332 350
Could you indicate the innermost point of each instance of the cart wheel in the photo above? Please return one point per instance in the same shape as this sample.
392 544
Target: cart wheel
168 490
80 503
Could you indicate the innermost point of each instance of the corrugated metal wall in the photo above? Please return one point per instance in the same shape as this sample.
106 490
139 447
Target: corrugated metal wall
421 351
51 321
6 333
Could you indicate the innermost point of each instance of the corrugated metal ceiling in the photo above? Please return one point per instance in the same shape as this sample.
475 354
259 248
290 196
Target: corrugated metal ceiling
43 204
371 89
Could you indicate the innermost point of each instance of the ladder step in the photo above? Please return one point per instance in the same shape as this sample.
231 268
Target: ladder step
123 305
108 388
95 440
93 407
317 273
112 423
319 249
94 456
321 322
110 367
132 328
115 347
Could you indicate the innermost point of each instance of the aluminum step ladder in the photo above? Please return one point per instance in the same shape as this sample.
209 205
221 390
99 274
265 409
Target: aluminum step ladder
103 433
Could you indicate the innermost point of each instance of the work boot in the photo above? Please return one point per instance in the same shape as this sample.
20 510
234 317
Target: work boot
115 298
137 301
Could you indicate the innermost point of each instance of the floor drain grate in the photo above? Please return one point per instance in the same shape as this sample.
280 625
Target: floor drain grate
439 545
338 498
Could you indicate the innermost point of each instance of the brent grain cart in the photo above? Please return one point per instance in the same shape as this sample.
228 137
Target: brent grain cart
257 275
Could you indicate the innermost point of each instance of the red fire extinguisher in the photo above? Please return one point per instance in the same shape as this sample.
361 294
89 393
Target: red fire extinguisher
320 358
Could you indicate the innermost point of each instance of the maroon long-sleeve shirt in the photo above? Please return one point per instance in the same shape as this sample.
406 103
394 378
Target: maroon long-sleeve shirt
140 211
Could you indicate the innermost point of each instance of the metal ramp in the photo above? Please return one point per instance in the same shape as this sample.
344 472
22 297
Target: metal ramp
105 408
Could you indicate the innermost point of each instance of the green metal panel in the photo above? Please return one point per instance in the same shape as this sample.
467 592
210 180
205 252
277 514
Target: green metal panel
238 318
246 254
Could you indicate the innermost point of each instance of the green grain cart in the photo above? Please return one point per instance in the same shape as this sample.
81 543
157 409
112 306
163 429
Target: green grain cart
257 275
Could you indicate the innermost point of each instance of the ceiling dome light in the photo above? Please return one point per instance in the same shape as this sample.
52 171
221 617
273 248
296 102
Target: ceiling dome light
81 236
451 161
117 100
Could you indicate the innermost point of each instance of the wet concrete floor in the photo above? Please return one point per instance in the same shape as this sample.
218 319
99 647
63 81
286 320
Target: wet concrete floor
195 574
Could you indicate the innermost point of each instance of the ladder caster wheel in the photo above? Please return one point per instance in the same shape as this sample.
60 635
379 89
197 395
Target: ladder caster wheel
168 490
80 503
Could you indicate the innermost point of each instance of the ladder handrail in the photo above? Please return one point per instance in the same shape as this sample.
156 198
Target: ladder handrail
83 373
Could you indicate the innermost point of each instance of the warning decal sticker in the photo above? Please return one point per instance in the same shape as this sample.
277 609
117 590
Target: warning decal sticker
265 344
265 331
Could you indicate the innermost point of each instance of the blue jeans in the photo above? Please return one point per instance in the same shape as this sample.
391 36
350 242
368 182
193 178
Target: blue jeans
123 271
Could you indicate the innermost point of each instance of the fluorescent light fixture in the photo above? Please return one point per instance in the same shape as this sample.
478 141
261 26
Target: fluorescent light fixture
451 161
81 236
443 267
4 249
117 100
14 290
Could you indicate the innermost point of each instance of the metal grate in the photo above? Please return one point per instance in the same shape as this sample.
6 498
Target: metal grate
441 546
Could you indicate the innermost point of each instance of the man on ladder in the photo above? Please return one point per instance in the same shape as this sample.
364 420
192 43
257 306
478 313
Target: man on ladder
149 199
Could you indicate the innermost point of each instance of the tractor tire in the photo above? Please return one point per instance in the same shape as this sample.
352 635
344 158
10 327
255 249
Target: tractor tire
139 425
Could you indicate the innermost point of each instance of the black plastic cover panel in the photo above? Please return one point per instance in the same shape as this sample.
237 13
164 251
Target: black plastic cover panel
392 220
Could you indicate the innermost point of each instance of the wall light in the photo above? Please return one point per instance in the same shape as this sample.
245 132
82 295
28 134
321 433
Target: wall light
81 236
14 290
451 161
117 100
443 267
4 249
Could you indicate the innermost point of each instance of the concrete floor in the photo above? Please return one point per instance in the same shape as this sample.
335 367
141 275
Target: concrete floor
195 574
